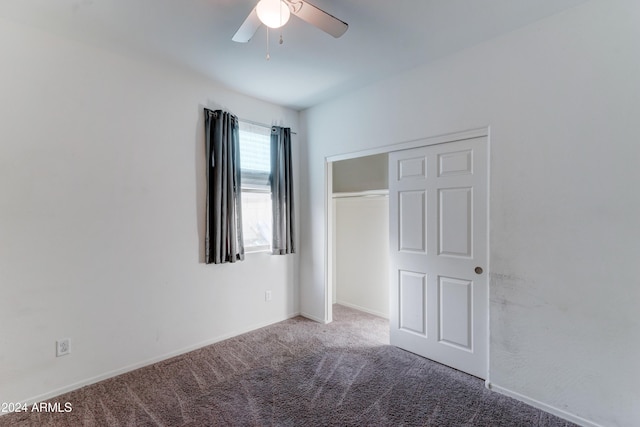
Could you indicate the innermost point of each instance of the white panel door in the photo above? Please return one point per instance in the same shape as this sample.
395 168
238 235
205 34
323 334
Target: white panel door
438 238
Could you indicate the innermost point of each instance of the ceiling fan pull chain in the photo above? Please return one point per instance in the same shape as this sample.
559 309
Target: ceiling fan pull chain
268 56
280 3
281 23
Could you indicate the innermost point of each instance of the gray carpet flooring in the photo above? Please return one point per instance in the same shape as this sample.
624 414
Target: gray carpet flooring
294 373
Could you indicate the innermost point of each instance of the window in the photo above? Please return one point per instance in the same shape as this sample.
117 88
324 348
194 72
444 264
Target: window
255 165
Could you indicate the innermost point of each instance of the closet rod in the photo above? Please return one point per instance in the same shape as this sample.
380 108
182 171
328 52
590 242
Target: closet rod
367 193
251 122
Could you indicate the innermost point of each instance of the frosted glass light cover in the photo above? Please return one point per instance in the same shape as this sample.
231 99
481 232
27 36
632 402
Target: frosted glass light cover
273 13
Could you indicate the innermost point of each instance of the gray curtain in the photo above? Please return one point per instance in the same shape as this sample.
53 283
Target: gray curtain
223 240
282 192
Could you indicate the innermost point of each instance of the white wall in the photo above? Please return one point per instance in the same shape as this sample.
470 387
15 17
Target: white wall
362 253
102 189
562 98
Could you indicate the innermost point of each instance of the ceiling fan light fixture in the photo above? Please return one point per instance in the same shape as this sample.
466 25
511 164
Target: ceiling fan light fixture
273 13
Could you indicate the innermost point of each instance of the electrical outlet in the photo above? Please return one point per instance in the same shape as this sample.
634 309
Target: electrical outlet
63 347
267 296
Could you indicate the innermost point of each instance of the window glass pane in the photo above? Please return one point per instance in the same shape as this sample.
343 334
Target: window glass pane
255 164
256 219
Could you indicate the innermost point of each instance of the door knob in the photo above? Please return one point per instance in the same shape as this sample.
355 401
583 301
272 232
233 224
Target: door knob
478 270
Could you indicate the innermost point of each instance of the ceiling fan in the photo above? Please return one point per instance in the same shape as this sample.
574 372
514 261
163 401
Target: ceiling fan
276 13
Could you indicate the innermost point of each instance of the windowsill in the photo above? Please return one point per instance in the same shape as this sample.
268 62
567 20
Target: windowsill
257 250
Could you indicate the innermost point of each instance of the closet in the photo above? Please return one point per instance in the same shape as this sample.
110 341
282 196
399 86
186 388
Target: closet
360 253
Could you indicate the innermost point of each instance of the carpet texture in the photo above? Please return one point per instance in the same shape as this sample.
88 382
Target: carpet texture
294 373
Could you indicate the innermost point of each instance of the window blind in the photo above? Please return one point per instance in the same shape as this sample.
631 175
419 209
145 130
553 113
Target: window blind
255 155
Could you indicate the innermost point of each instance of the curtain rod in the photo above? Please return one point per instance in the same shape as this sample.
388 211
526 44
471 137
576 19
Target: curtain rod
251 122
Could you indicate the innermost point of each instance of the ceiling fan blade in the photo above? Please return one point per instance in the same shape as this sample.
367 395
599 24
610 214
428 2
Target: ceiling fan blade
318 18
248 28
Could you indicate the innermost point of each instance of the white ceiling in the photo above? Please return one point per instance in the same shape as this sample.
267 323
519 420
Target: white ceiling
384 37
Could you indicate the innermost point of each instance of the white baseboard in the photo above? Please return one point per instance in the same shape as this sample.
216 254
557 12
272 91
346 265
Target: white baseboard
71 387
364 309
540 405
314 318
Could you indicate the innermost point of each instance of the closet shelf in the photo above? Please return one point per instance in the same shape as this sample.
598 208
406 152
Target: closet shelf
368 193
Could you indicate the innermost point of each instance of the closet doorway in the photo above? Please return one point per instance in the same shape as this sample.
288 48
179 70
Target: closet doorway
360 234
458 316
